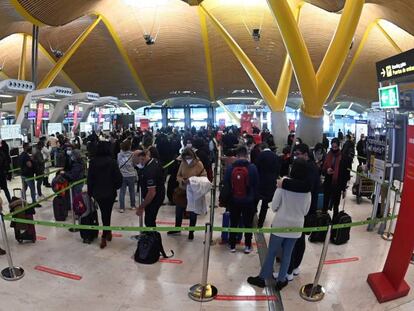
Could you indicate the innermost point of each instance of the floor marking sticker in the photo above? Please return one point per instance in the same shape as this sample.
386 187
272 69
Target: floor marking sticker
245 298
344 260
175 261
40 238
58 273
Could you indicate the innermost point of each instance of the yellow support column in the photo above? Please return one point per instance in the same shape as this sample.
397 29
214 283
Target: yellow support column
257 79
357 54
52 74
21 74
232 115
315 88
207 53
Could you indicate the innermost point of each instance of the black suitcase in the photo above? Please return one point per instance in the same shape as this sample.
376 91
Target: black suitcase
341 236
61 206
91 220
319 220
22 232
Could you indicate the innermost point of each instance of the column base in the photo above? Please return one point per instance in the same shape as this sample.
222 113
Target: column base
383 289
310 130
280 129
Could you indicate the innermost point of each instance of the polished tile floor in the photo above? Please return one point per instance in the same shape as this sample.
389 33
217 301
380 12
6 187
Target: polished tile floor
112 281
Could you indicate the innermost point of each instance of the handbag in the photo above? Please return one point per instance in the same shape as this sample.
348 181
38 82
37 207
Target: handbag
180 197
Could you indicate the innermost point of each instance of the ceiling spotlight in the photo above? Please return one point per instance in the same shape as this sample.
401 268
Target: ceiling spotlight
57 53
256 34
149 40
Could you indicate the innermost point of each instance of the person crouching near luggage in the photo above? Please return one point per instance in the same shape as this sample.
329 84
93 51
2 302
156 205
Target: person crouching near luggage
243 180
2 251
104 179
290 208
190 166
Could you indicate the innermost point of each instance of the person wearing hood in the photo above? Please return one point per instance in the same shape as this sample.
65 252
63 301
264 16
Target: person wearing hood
335 172
104 179
190 166
76 171
129 176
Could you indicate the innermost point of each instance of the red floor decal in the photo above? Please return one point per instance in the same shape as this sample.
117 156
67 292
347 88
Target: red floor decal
40 238
245 298
335 261
175 261
58 273
169 223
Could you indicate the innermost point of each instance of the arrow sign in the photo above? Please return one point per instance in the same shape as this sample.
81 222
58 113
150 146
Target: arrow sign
383 72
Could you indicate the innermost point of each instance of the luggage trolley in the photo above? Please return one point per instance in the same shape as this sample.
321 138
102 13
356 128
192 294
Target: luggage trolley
363 186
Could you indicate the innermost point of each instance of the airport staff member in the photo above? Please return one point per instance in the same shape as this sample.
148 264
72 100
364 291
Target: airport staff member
152 187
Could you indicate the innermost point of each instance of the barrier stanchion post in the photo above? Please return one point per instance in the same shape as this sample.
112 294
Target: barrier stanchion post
204 291
11 273
213 204
388 236
377 192
73 210
314 291
141 217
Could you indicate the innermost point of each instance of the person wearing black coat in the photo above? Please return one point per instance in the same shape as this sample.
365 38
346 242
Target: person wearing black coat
268 167
104 179
76 172
362 150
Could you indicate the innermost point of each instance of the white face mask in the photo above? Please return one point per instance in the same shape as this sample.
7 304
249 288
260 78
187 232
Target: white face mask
140 166
189 161
68 152
189 145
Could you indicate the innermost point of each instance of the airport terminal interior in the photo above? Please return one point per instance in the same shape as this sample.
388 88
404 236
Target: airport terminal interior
207 155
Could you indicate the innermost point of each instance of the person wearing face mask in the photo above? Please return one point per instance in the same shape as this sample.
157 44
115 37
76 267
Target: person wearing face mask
76 172
152 184
190 166
335 172
319 155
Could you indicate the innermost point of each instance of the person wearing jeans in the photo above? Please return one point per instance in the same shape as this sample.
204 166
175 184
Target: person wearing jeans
126 165
291 208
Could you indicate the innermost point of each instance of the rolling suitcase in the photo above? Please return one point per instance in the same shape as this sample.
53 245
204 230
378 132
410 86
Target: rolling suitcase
91 220
61 205
342 235
226 224
22 232
319 220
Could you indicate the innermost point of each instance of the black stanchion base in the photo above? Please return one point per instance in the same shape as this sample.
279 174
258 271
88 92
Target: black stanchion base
12 274
307 294
73 230
202 293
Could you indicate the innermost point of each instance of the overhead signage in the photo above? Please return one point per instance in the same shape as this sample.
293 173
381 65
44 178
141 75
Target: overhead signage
10 131
398 66
39 118
389 97
53 128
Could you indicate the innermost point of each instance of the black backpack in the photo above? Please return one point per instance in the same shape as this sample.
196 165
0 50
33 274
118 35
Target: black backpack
150 248
342 235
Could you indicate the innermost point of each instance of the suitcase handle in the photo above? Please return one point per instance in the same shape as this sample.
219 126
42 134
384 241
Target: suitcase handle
18 189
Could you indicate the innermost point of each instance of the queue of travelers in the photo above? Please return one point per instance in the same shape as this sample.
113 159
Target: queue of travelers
289 181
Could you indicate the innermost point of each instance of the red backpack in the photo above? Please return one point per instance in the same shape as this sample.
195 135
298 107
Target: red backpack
239 182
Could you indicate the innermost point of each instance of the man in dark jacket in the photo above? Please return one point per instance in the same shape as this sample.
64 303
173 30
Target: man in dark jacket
312 184
27 172
268 167
243 180
348 154
362 150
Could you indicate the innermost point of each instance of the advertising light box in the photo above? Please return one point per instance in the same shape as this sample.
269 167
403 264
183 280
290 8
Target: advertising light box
53 128
10 131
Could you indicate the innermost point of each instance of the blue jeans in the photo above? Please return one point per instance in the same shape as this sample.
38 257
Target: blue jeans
31 184
130 183
278 245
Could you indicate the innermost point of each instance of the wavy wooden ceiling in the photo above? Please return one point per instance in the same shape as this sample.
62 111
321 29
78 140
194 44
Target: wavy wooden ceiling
176 61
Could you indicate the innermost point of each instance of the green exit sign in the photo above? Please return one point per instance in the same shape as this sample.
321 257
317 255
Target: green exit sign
389 97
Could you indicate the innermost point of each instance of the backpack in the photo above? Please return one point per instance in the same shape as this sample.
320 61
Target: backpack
150 248
239 182
59 183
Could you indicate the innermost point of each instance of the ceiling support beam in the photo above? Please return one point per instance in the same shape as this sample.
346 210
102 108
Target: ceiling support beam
254 74
52 74
207 53
26 15
316 87
231 114
21 75
371 26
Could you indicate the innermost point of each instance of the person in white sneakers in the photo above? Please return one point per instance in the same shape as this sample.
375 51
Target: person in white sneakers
291 208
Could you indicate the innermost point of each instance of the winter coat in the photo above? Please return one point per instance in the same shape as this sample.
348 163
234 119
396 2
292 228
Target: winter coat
186 171
104 177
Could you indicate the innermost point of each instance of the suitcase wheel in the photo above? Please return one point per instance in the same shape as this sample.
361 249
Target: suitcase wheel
20 241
